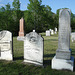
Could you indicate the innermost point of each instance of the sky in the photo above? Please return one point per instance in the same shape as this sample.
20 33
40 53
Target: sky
54 4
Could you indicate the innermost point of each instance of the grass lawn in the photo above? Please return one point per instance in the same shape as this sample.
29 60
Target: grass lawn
16 67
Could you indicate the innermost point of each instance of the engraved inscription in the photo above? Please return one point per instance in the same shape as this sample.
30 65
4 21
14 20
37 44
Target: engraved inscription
64 30
33 48
5 47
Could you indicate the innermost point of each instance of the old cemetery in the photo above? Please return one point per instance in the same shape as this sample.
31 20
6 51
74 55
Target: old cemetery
48 53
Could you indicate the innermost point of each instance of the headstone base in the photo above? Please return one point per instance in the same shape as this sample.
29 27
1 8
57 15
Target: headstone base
33 62
61 64
20 38
63 54
6 55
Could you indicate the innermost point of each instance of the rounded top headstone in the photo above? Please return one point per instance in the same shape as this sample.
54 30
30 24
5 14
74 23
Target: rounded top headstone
66 10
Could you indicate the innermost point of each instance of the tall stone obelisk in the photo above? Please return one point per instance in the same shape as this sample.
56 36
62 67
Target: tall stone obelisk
21 27
21 30
63 58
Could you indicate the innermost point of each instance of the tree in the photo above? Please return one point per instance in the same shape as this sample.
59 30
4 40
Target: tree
34 8
41 15
16 15
2 9
8 7
16 4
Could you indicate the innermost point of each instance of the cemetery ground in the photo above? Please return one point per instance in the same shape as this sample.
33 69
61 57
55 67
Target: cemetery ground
17 67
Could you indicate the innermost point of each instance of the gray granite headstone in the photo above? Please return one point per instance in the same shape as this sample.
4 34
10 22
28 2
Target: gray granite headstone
63 58
64 51
33 49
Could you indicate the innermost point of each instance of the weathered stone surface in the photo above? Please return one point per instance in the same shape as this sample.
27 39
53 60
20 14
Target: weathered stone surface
33 49
63 59
62 54
47 33
6 45
64 34
61 64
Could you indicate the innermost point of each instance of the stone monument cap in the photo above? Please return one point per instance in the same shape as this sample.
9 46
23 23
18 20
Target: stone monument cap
33 30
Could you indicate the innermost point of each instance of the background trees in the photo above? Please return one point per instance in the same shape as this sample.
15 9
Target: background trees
38 17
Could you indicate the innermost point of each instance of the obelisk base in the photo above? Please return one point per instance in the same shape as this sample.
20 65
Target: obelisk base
20 38
61 64
63 54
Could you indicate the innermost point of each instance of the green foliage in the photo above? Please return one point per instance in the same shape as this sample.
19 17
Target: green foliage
16 4
9 18
38 17
2 9
8 7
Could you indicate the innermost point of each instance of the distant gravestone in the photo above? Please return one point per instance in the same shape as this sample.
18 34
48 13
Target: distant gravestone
33 49
73 36
47 33
21 30
55 30
6 45
63 53
52 32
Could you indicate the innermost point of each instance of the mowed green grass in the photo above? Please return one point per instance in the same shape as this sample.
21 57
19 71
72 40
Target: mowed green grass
17 67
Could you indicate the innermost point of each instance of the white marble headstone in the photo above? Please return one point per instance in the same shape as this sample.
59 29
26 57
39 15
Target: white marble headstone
52 32
33 49
47 33
55 30
6 45
73 36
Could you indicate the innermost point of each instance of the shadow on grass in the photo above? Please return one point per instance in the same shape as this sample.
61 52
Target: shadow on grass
48 62
51 40
74 66
18 58
49 55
